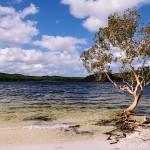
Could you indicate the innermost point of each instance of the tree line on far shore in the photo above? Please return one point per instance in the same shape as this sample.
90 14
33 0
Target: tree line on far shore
97 77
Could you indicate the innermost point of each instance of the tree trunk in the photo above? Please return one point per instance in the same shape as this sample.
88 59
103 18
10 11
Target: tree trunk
134 104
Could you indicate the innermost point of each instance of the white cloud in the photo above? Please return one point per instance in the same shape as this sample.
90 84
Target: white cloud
93 23
95 12
56 43
61 58
32 9
17 1
14 1
6 10
14 29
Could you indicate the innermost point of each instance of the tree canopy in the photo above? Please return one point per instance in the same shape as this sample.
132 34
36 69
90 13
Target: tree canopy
123 46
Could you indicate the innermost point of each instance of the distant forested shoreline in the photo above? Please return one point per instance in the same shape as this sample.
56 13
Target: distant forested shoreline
98 77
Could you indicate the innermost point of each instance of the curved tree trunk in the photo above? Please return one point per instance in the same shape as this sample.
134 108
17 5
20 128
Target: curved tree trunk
134 104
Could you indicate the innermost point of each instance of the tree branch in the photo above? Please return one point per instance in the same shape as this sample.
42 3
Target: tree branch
112 81
125 87
147 83
130 86
120 89
136 76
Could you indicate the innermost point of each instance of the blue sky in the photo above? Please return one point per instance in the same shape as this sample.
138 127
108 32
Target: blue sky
46 37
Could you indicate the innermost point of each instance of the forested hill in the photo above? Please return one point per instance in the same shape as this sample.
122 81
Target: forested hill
19 77
4 77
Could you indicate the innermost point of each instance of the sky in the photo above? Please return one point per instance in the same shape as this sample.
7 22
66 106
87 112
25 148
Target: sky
47 37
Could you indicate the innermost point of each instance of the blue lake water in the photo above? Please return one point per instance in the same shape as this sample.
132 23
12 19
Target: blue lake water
25 101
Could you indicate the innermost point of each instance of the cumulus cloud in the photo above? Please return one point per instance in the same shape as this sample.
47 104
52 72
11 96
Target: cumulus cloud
6 11
64 50
95 12
56 43
61 58
15 30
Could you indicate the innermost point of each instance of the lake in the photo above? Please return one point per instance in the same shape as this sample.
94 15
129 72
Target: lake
64 101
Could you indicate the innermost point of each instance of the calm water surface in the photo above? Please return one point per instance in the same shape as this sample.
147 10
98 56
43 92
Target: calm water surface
33 101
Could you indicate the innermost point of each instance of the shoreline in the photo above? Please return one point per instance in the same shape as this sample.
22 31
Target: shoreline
51 139
44 133
70 138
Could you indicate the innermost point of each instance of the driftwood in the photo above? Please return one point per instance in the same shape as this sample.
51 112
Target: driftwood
126 125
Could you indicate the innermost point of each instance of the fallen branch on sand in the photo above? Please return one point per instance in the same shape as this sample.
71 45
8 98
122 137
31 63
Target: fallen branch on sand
126 125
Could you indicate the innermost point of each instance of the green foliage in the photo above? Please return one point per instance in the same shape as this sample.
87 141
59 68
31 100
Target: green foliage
125 41
97 77
19 77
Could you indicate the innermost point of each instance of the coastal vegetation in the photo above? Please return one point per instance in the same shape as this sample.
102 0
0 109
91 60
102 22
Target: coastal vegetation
19 77
124 45
96 77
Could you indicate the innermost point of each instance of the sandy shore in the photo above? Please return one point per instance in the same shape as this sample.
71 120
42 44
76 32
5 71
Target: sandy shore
89 144
139 140
30 138
34 138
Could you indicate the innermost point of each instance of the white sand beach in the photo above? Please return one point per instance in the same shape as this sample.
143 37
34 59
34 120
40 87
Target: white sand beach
95 144
47 139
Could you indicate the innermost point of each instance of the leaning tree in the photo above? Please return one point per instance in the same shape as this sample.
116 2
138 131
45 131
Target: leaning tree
123 46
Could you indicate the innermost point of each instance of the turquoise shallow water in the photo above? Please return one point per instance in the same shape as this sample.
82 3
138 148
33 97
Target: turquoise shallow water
66 102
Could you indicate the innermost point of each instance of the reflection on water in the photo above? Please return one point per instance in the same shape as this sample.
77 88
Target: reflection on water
57 100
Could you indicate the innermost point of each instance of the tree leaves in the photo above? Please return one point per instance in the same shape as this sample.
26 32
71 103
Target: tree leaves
125 43
125 32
